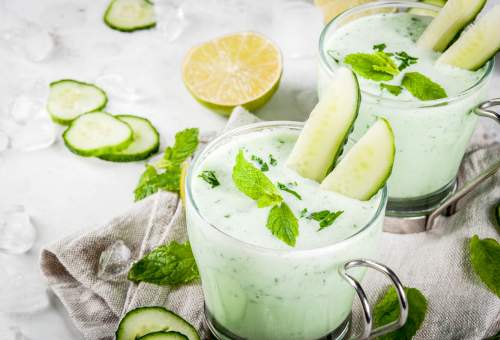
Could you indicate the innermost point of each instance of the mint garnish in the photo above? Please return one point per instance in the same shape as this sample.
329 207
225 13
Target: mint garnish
393 89
422 87
377 66
171 264
405 60
272 160
151 181
325 218
303 213
387 310
379 47
283 223
263 165
209 177
285 188
485 256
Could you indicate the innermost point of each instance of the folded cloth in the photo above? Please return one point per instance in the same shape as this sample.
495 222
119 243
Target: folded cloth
436 262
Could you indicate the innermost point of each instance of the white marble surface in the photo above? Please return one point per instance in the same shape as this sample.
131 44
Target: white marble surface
64 193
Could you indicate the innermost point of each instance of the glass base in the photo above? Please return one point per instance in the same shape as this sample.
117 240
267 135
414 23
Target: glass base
219 332
422 205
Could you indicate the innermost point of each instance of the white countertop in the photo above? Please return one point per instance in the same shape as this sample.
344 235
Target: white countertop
64 193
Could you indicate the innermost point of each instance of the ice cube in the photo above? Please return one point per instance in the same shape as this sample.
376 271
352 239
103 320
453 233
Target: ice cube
114 262
171 21
17 233
25 108
117 86
38 133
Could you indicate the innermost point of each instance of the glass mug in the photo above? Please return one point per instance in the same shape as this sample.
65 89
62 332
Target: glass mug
253 292
431 136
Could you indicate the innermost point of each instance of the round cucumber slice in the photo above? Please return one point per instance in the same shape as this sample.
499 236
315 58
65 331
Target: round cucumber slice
130 15
451 20
366 167
70 98
164 336
479 43
145 320
97 133
325 132
146 141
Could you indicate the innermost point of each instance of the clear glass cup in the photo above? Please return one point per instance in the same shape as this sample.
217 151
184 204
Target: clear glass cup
253 292
431 136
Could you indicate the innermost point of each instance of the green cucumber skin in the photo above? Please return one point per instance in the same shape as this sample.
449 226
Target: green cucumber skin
455 38
122 29
99 151
497 214
118 333
62 121
117 157
164 336
351 128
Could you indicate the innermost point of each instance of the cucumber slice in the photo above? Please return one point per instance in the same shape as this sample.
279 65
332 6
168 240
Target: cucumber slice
428 12
367 166
70 98
130 15
452 19
497 214
479 43
97 133
325 132
164 336
146 141
145 320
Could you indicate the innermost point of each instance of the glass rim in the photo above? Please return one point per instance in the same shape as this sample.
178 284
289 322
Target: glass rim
403 4
292 251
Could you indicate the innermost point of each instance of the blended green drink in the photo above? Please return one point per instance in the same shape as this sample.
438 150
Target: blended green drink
428 104
257 286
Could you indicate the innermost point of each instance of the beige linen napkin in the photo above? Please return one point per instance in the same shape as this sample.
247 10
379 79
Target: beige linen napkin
436 262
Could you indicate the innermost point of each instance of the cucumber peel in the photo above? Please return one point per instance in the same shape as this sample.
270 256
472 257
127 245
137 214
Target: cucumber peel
367 165
145 320
479 43
69 98
130 15
146 141
451 20
163 336
497 214
325 132
97 133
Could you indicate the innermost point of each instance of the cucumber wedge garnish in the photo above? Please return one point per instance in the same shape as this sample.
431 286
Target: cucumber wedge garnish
479 43
130 15
70 98
367 165
325 132
450 21
146 141
146 320
164 336
97 133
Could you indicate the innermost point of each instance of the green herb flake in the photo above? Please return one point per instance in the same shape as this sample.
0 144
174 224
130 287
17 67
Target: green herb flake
171 264
393 89
253 183
377 66
209 177
387 310
405 60
283 224
331 54
325 218
263 165
272 160
485 259
285 188
303 213
422 87
379 47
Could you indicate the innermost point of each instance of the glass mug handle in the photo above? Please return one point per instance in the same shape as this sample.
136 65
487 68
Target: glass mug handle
484 110
367 331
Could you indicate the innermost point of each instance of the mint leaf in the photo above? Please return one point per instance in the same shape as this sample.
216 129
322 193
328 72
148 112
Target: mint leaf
379 47
325 218
303 213
377 66
422 87
387 310
393 89
186 142
263 165
485 259
405 60
283 223
272 160
209 177
171 264
283 187
147 183
253 183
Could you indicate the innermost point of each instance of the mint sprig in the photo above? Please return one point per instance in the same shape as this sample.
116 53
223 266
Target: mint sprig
485 259
325 217
387 310
393 89
171 264
209 177
376 66
422 87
